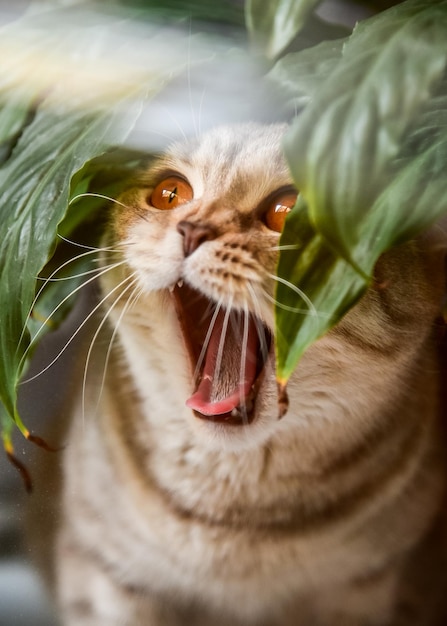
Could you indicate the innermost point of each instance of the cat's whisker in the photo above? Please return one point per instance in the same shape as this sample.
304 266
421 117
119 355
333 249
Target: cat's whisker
222 341
132 285
292 309
259 326
312 310
210 308
48 318
65 278
137 292
46 280
243 405
59 268
284 247
206 341
89 194
63 301
235 324
92 248
77 331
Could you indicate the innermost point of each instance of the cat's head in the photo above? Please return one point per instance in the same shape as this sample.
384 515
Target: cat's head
201 230
204 228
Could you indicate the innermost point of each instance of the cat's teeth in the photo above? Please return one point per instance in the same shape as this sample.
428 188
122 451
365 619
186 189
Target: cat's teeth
179 284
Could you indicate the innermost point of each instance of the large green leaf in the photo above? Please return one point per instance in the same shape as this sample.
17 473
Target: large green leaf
341 149
34 191
369 157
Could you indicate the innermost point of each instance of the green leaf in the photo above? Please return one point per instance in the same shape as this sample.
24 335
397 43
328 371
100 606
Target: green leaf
34 190
416 196
329 286
369 157
273 25
341 149
298 75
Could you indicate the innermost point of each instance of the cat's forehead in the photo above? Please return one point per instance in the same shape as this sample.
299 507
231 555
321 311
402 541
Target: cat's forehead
247 158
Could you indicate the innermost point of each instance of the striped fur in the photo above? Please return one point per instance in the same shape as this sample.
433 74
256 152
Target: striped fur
331 516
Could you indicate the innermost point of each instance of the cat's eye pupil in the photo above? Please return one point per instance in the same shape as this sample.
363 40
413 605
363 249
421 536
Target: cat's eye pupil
170 193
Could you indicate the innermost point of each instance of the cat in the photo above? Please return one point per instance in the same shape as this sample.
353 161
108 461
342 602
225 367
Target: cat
186 500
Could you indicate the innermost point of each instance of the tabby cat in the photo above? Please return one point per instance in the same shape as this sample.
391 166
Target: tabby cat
186 500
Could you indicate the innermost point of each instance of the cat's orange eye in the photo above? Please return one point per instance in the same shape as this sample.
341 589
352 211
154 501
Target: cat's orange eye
170 193
279 207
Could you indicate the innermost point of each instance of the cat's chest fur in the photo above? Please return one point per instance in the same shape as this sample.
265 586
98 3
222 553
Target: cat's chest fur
197 496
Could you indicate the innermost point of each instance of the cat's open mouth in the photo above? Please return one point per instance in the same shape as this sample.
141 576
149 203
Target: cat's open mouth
228 351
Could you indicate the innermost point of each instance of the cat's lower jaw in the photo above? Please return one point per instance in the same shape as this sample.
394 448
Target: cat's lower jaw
163 377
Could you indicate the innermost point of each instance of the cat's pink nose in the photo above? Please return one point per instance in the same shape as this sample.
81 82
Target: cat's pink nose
194 234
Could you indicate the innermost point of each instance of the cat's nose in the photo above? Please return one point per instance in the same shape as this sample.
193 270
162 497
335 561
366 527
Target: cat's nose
194 234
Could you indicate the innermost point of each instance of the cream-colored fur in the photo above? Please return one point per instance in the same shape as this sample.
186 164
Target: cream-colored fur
326 517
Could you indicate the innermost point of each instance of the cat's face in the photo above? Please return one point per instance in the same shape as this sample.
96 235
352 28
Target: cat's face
210 214
200 236
204 229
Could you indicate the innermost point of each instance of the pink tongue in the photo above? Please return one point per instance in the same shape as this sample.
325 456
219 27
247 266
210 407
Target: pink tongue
222 391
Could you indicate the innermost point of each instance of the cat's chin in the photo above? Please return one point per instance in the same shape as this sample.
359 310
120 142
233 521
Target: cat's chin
220 436
228 353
